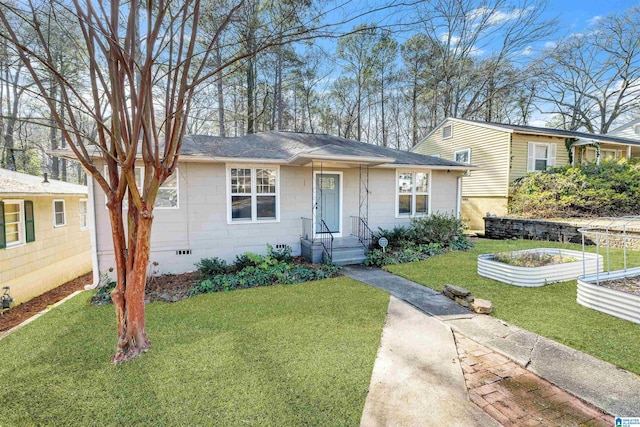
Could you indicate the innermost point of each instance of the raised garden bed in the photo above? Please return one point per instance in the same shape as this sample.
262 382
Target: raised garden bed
616 293
490 267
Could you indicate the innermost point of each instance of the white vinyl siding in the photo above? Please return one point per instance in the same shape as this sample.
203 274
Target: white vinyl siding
59 213
540 156
412 197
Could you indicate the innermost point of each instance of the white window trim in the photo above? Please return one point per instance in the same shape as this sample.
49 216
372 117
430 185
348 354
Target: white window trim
531 154
450 126
64 213
125 201
86 225
254 217
22 233
464 150
413 194
340 189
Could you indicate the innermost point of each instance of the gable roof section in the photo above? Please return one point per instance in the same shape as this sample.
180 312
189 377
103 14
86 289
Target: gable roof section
14 184
300 148
534 130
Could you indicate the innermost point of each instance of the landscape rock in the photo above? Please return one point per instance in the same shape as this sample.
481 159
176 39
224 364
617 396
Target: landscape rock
453 291
481 306
462 301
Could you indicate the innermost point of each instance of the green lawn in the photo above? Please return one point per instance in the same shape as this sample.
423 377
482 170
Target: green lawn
282 355
550 311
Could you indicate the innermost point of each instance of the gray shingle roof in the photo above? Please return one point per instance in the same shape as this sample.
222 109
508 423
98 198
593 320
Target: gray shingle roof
16 183
553 132
284 146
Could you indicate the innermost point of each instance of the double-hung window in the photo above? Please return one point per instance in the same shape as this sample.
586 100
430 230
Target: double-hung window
540 156
253 194
167 197
413 193
59 215
84 210
16 223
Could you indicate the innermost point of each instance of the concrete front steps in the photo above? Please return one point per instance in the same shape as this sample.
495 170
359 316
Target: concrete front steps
348 251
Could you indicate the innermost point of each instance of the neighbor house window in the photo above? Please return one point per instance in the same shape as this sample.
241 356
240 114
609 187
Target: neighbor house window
413 193
463 156
607 154
16 223
253 193
59 217
83 207
447 132
540 156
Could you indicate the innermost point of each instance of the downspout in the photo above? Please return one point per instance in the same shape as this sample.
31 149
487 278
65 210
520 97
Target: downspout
93 236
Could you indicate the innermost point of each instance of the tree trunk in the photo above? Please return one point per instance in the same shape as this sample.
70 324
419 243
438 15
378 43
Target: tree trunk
220 90
128 295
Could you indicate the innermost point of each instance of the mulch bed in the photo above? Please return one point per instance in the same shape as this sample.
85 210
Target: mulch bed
24 311
630 285
170 287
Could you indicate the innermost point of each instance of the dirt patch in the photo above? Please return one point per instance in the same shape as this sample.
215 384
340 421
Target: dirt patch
630 285
170 287
24 311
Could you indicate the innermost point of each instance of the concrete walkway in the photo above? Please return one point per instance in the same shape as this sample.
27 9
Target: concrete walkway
602 384
417 378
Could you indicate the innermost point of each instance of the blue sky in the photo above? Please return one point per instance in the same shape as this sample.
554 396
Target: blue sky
575 15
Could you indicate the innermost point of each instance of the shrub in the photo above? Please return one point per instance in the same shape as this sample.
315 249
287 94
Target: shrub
210 267
282 254
437 228
254 270
609 189
248 259
408 253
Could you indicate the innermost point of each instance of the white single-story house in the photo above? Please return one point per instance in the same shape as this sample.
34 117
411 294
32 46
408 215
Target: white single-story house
44 233
235 195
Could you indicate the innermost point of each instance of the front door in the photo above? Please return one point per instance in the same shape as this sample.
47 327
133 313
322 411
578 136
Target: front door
328 201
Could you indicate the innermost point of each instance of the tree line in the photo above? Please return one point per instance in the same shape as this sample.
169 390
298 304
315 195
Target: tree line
388 82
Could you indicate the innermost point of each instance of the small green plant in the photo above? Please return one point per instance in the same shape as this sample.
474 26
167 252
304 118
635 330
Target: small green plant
210 267
253 270
105 286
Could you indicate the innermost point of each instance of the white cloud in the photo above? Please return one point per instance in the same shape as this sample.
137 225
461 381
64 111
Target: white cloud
496 17
594 20
550 45
446 37
528 51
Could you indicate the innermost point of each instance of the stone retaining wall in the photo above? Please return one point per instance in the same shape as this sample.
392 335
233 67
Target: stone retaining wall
555 231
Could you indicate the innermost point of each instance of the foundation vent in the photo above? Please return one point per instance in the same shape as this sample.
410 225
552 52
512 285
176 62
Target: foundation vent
281 246
183 252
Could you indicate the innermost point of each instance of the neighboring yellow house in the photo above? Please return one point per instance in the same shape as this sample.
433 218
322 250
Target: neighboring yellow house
504 153
44 234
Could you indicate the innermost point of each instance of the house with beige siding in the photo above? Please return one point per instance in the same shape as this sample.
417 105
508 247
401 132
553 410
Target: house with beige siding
319 194
503 153
44 234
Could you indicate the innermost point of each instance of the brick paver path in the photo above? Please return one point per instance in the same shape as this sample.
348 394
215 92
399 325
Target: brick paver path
515 396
